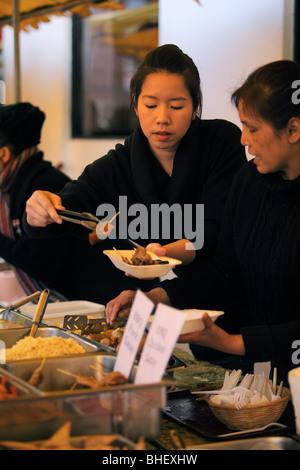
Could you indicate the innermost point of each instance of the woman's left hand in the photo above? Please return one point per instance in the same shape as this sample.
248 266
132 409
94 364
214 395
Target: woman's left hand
212 336
157 249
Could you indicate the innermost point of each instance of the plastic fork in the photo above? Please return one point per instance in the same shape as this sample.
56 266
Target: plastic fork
246 431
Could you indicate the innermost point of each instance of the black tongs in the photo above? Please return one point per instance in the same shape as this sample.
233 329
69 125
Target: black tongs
89 221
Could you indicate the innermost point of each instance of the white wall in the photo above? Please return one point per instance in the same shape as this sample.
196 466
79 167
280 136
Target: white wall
45 60
226 38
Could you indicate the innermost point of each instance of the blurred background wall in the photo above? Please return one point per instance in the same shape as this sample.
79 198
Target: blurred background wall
227 39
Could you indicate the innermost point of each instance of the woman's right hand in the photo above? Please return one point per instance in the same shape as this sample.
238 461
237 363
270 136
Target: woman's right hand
120 306
41 209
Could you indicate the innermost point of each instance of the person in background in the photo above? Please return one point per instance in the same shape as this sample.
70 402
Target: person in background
172 157
22 169
68 265
258 252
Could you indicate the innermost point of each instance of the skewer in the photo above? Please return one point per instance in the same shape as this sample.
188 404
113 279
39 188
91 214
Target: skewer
123 258
113 218
36 376
43 362
99 370
68 373
110 221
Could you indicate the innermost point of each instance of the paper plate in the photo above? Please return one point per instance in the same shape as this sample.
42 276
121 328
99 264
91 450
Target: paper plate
141 272
193 321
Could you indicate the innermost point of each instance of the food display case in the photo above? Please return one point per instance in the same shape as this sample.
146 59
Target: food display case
127 409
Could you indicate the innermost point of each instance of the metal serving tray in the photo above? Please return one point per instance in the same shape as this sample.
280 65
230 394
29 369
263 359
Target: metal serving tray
12 336
259 443
130 410
20 320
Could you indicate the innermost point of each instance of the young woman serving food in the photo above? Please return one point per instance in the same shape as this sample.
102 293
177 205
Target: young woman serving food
173 157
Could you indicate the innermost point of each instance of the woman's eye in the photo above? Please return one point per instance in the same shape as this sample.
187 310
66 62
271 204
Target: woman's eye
150 106
176 107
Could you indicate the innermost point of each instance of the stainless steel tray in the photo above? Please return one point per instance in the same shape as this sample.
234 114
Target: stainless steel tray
259 443
12 336
55 383
130 410
20 320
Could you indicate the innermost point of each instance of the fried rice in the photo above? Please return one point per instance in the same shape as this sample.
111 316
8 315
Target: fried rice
29 347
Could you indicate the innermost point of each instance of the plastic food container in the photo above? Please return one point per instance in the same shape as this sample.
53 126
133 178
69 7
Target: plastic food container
56 311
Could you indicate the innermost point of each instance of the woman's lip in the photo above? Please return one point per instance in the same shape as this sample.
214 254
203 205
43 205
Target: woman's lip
161 136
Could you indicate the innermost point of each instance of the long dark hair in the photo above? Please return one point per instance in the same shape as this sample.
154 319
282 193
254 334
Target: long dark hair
168 58
268 92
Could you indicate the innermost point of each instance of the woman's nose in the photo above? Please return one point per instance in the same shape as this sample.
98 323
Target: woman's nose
162 115
244 139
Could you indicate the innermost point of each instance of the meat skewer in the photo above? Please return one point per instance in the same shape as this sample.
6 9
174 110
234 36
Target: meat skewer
110 378
37 375
82 379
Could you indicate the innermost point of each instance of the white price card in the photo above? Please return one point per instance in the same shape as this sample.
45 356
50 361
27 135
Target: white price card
159 345
2 352
141 309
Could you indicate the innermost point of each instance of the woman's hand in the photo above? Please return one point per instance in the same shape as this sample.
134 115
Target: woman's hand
157 249
182 250
121 305
41 209
212 336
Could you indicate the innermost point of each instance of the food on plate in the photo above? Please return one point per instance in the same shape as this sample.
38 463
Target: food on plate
62 440
7 390
141 257
30 347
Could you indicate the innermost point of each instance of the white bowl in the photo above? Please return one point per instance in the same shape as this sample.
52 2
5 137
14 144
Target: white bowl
193 321
141 272
56 311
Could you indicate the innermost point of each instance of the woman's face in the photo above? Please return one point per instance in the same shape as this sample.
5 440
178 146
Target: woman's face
165 111
272 149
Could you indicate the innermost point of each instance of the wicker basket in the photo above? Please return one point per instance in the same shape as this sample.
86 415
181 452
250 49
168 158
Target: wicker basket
252 416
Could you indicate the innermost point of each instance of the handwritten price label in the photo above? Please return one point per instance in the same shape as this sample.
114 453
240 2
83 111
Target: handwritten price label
159 345
141 309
